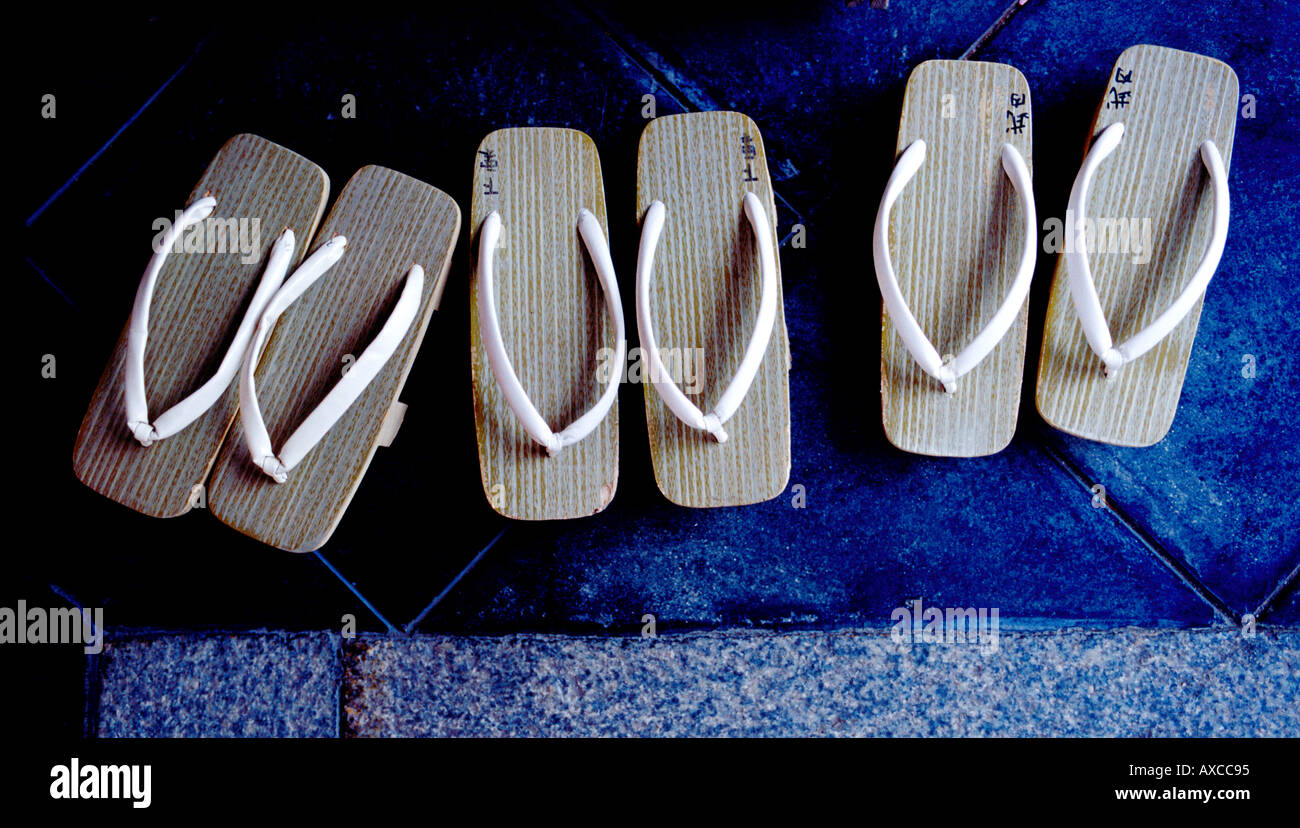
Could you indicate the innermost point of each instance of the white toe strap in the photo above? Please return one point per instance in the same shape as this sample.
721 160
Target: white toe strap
1084 291
193 406
529 417
345 392
735 392
947 370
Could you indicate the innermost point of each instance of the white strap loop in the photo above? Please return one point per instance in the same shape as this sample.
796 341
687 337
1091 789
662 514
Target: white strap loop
735 392
193 406
948 370
530 418
345 392
1084 291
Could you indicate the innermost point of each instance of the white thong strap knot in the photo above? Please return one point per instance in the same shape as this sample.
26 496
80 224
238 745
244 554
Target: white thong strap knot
735 392
948 369
529 417
1083 289
359 375
193 406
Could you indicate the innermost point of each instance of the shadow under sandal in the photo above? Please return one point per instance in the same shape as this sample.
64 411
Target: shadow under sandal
955 245
547 338
714 356
320 381
167 398
1146 225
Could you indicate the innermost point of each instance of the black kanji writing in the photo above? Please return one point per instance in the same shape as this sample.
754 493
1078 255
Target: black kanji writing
1117 98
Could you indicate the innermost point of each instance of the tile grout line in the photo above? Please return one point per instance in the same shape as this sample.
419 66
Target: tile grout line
692 102
94 157
1267 604
688 636
1037 628
65 297
993 30
627 47
92 676
1180 570
437 599
93 688
340 675
352 588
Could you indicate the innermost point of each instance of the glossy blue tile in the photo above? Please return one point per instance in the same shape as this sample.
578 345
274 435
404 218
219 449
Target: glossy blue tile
879 529
824 82
1219 491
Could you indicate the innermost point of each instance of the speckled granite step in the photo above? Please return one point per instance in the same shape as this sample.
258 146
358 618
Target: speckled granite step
1126 682
214 685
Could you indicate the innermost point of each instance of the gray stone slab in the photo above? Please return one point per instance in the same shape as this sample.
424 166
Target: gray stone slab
216 685
1126 682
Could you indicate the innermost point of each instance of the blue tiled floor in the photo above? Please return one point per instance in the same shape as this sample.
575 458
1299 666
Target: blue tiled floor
1206 524
1218 492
